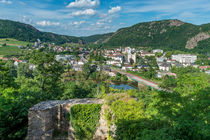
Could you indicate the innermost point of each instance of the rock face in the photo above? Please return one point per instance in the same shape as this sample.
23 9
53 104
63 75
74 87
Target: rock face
102 131
193 42
46 118
176 23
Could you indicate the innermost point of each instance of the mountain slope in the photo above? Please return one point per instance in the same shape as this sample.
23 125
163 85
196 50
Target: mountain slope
96 39
166 34
25 32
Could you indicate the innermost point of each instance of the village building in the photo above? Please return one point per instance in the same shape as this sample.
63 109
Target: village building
164 66
131 58
157 51
185 59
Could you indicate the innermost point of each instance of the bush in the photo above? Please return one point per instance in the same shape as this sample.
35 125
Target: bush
84 119
3 45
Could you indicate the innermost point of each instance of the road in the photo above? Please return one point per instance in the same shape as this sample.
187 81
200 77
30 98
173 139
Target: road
139 79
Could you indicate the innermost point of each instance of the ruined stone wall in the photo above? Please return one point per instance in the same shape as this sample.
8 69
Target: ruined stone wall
47 117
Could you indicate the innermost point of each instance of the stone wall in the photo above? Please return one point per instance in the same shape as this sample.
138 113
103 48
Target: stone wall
46 118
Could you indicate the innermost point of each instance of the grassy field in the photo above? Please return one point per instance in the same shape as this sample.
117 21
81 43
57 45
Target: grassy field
13 42
9 50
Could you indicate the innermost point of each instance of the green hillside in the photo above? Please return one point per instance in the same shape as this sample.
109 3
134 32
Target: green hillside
166 34
25 32
97 39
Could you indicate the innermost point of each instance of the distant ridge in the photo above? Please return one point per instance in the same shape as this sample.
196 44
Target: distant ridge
166 34
170 34
25 32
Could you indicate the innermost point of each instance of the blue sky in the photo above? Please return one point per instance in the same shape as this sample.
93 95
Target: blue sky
88 17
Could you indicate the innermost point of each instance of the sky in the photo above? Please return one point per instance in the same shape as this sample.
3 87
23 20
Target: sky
89 17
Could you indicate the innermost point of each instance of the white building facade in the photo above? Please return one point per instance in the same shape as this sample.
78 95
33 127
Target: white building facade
185 58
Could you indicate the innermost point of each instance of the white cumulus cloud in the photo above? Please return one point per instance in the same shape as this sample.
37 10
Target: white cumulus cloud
47 23
114 9
6 1
84 4
87 12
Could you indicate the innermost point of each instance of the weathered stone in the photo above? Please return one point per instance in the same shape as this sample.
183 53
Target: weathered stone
46 117
102 131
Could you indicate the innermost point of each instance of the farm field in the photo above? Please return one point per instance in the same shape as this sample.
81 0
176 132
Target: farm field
9 50
13 42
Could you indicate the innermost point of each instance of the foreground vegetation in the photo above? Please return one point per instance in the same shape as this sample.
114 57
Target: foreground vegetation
85 119
138 114
155 115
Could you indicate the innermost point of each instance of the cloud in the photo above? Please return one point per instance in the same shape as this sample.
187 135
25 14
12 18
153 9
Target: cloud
107 27
77 23
27 20
84 4
168 6
6 1
87 12
47 23
114 9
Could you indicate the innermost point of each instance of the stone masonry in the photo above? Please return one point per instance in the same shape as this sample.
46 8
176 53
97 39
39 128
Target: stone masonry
46 118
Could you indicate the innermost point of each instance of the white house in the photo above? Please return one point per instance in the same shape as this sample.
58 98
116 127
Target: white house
185 58
157 51
164 66
63 57
111 62
127 67
208 72
81 63
161 59
118 58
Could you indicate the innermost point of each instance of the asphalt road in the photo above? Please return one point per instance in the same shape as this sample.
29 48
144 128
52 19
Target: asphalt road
140 80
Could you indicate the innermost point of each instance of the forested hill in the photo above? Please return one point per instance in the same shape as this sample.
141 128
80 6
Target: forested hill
164 34
169 34
25 32
97 39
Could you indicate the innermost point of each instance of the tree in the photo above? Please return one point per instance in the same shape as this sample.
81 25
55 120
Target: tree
87 70
6 77
47 73
158 54
169 82
3 45
151 73
10 65
24 70
168 54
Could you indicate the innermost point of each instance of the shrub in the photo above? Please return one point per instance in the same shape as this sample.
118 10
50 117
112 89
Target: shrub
84 119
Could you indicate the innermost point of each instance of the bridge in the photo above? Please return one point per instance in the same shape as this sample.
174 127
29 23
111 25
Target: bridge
139 79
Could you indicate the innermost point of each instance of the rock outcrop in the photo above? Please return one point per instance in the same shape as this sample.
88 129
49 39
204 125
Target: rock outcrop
46 118
193 42
176 23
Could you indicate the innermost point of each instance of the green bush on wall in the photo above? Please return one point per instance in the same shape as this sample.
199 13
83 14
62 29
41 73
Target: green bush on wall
84 119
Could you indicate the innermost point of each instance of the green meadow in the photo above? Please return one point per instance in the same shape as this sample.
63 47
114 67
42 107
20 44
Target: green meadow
9 50
13 42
